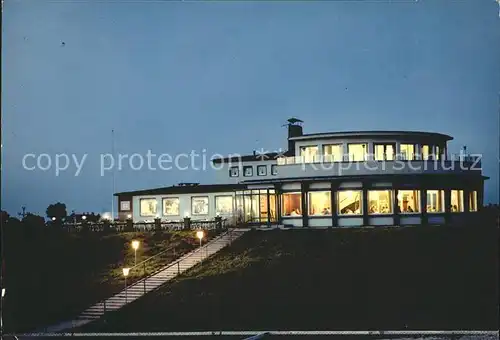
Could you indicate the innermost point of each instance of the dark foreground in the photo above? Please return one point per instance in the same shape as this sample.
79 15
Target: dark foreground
428 278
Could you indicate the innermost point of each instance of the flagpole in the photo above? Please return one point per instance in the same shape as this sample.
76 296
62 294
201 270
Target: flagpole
113 175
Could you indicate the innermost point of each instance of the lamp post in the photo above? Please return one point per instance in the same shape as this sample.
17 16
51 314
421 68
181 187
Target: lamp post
135 245
200 235
125 273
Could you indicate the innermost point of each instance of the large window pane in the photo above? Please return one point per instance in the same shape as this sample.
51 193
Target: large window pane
407 151
380 202
309 153
171 206
148 207
384 152
199 205
473 201
333 152
435 201
320 203
224 205
357 152
425 152
292 204
409 201
457 201
349 202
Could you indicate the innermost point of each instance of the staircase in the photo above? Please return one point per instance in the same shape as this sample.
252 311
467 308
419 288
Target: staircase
150 283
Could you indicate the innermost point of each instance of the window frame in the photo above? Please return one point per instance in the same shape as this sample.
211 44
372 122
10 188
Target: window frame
361 203
309 200
461 201
384 145
147 199
441 196
419 199
326 156
237 168
163 205
413 156
216 205
303 158
262 166
390 200
128 205
473 197
365 155
283 203
245 167
208 206
274 166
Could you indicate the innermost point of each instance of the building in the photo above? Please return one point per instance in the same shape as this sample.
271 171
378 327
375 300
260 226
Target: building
339 179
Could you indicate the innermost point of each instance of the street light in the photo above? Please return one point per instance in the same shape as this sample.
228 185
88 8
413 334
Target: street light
135 245
129 216
53 218
84 217
200 235
125 273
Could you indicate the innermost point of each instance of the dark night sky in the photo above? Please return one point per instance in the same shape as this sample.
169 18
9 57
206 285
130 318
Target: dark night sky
181 76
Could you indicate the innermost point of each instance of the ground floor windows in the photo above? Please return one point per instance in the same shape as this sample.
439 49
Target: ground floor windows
349 202
292 204
473 201
435 201
223 205
148 207
409 201
380 202
320 203
457 201
199 205
171 206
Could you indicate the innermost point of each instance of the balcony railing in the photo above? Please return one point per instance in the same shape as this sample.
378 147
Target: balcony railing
466 158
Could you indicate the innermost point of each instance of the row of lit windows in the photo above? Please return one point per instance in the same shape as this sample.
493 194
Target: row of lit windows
172 207
359 152
350 202
234 171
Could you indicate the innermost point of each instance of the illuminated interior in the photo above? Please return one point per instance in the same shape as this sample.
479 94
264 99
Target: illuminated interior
309 153
333 152
320 203
384 152
407 151
357 152
148 207
171 206
425 152
409 201
457 201
292 204
473 201
349 202
435 201
224 205
380 202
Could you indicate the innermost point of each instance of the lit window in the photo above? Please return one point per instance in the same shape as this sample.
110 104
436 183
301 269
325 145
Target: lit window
320 203
379 202
148 207
349 202
224 205
435 201
309 153
171 206
407 151
199 205
292 204
357 152
261 170
234 171
248 171
384 152
274 169
409 201
426 152
457 201
437 152
333 152
473 201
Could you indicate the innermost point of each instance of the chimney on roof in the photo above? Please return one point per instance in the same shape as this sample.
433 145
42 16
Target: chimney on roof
294 130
